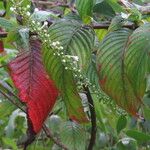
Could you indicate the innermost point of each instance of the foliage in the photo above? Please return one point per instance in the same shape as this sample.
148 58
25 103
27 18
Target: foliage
80 68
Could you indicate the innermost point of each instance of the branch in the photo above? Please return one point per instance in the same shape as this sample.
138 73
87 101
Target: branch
55 140
51 4
106 25
142 9
93 118
3 34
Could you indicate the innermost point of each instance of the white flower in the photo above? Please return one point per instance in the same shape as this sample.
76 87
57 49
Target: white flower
28 6
57 42
45 23
36 9
54 44
28 14
12 8
64 60
61 48
75 58
38 23
33 22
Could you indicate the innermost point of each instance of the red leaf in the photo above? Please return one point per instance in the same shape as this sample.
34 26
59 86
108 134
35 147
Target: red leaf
35 88
1 46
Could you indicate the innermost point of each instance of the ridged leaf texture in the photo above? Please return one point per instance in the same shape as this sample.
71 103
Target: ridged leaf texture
77 40
123 66
85 7
111 67
36 89
73 136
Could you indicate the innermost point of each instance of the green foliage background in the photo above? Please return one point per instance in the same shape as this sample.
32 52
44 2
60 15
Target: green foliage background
116 130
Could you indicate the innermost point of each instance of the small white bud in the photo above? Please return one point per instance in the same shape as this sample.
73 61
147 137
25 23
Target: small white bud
57 42
45 23
64 60
12 8
76 58
28 6
66 68
54 44
61 48
36 9
28 14
33 22
38 23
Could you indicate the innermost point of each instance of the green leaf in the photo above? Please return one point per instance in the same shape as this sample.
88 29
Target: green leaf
139 136
77 40
101 33
121 124
85 7
73 136
20 36
10 142
123 66
6 24
103 8
137 59
42 15
114 4
112 77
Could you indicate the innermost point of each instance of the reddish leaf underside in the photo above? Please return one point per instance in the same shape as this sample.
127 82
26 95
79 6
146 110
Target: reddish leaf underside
1 46
35 88
1 43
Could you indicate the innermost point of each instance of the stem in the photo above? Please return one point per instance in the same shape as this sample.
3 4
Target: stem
12 101
51 4
3 34
55 140
93 118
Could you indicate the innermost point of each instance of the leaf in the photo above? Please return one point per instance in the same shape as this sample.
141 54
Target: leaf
121 124
43 15
139 136
77 40
85 7
35 88
4 23
10 142
100 33
137 59
112 77
1 46
103 8
73 136
114 4
123 66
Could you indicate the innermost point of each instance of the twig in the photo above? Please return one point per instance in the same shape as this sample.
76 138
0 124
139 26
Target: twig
12 101
51 4
106 26
55 140
93 119
142 9
3 34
